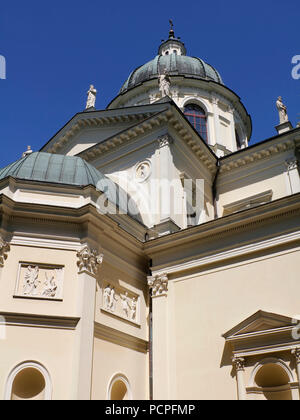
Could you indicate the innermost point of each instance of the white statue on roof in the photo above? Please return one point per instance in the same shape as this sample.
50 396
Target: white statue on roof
91 99
282 109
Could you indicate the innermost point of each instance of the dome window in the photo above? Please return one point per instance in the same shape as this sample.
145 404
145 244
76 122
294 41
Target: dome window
197 117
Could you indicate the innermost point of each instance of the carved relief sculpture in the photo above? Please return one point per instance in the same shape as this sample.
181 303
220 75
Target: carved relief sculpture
124 305
89 260
4 249
39 281
31 281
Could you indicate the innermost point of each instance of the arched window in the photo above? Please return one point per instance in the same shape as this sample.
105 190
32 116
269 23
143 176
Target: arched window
197 117
28 381
119 388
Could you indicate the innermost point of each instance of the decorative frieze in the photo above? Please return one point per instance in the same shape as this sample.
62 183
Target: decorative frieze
121 303
158 285
4 249
89 260
39 281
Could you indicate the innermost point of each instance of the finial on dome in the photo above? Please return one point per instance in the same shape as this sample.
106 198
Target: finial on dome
171 32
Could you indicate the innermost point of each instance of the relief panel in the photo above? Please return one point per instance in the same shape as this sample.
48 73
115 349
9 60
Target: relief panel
39 281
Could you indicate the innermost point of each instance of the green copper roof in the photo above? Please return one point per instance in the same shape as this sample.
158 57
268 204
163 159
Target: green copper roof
69 170
173 65
54 168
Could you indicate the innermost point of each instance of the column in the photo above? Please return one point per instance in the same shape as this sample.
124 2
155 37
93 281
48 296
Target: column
239 363
293 175
88 263
217 139
4 249
159 289
296 354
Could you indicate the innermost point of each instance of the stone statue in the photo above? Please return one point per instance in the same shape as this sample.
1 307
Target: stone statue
28 152
164 84
91 99
282 109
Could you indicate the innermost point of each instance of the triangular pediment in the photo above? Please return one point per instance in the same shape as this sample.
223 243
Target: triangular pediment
259 322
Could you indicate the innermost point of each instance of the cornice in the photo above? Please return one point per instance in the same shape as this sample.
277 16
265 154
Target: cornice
39 321
95 119
172 116
247 157
141 128
118 337
227 225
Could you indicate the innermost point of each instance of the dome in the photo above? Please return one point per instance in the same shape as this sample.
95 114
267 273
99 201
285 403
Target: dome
69 170
47 167
172 59
174 65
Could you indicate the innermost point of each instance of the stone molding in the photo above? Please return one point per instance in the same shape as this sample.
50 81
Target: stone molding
158 284
4 249
118 337
255 156
89 261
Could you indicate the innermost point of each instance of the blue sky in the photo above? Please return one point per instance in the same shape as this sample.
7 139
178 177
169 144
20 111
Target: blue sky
55 50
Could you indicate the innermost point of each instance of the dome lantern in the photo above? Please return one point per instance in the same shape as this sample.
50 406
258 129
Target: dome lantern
172 45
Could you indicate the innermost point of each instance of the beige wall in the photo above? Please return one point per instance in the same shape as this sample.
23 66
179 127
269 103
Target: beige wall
206 305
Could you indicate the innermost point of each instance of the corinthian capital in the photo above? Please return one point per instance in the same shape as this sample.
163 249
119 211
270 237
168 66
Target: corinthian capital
89 260
296 354
165 140
158 284
4 249
238 363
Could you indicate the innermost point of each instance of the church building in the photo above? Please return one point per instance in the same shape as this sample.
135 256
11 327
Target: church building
148 252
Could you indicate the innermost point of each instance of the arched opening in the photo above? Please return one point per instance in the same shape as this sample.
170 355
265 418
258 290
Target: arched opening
28 381
29 384
119 388
197 117
273 382
118 391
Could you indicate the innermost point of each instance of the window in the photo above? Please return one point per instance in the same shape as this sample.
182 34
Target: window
197 118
